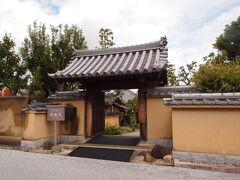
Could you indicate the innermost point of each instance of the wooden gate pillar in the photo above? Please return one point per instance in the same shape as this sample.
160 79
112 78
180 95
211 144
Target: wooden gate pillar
89 113
142 113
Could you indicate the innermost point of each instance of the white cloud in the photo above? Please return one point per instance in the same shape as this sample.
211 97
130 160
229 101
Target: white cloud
191 26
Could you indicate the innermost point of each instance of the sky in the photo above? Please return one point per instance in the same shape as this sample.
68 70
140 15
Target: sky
191 26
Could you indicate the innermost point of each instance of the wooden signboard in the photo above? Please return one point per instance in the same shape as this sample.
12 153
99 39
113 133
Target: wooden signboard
56 113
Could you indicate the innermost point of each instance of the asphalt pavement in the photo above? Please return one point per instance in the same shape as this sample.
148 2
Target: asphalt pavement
18 165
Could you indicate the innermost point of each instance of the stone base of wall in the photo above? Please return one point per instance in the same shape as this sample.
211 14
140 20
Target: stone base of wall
10 140
61 139
167 143
70 138
206 158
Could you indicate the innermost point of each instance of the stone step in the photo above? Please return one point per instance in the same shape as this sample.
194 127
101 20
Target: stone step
107 146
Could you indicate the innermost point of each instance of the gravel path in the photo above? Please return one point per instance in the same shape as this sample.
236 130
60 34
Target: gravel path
32 166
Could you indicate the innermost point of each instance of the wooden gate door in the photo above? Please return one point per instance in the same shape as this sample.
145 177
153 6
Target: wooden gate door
99 114
95 113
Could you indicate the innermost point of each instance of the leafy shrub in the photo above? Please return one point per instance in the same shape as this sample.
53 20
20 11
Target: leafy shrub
112 130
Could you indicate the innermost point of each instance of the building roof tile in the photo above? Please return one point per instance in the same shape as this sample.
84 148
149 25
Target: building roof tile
143 58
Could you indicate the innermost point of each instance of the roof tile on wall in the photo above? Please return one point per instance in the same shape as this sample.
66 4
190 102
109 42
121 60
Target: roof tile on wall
204 99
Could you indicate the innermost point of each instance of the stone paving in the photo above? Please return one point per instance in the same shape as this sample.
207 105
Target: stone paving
27 166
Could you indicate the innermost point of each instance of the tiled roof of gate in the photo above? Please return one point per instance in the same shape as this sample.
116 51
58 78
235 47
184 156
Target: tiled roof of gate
143 58
167 91
204 99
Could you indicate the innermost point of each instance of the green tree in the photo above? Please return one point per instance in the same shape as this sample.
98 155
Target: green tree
12 71
172 78
36 53
106 38
215 76
63 41
35 89
221 71
118 93
130 116
132 104
229 41
185 73
44 53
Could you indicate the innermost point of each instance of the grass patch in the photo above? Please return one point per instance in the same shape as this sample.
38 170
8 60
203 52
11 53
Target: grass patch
125 129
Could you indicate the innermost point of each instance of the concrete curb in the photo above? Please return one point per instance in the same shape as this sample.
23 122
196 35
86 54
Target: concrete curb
206 158
211 167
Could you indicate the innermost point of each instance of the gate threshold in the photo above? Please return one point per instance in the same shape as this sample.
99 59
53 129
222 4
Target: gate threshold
107 146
